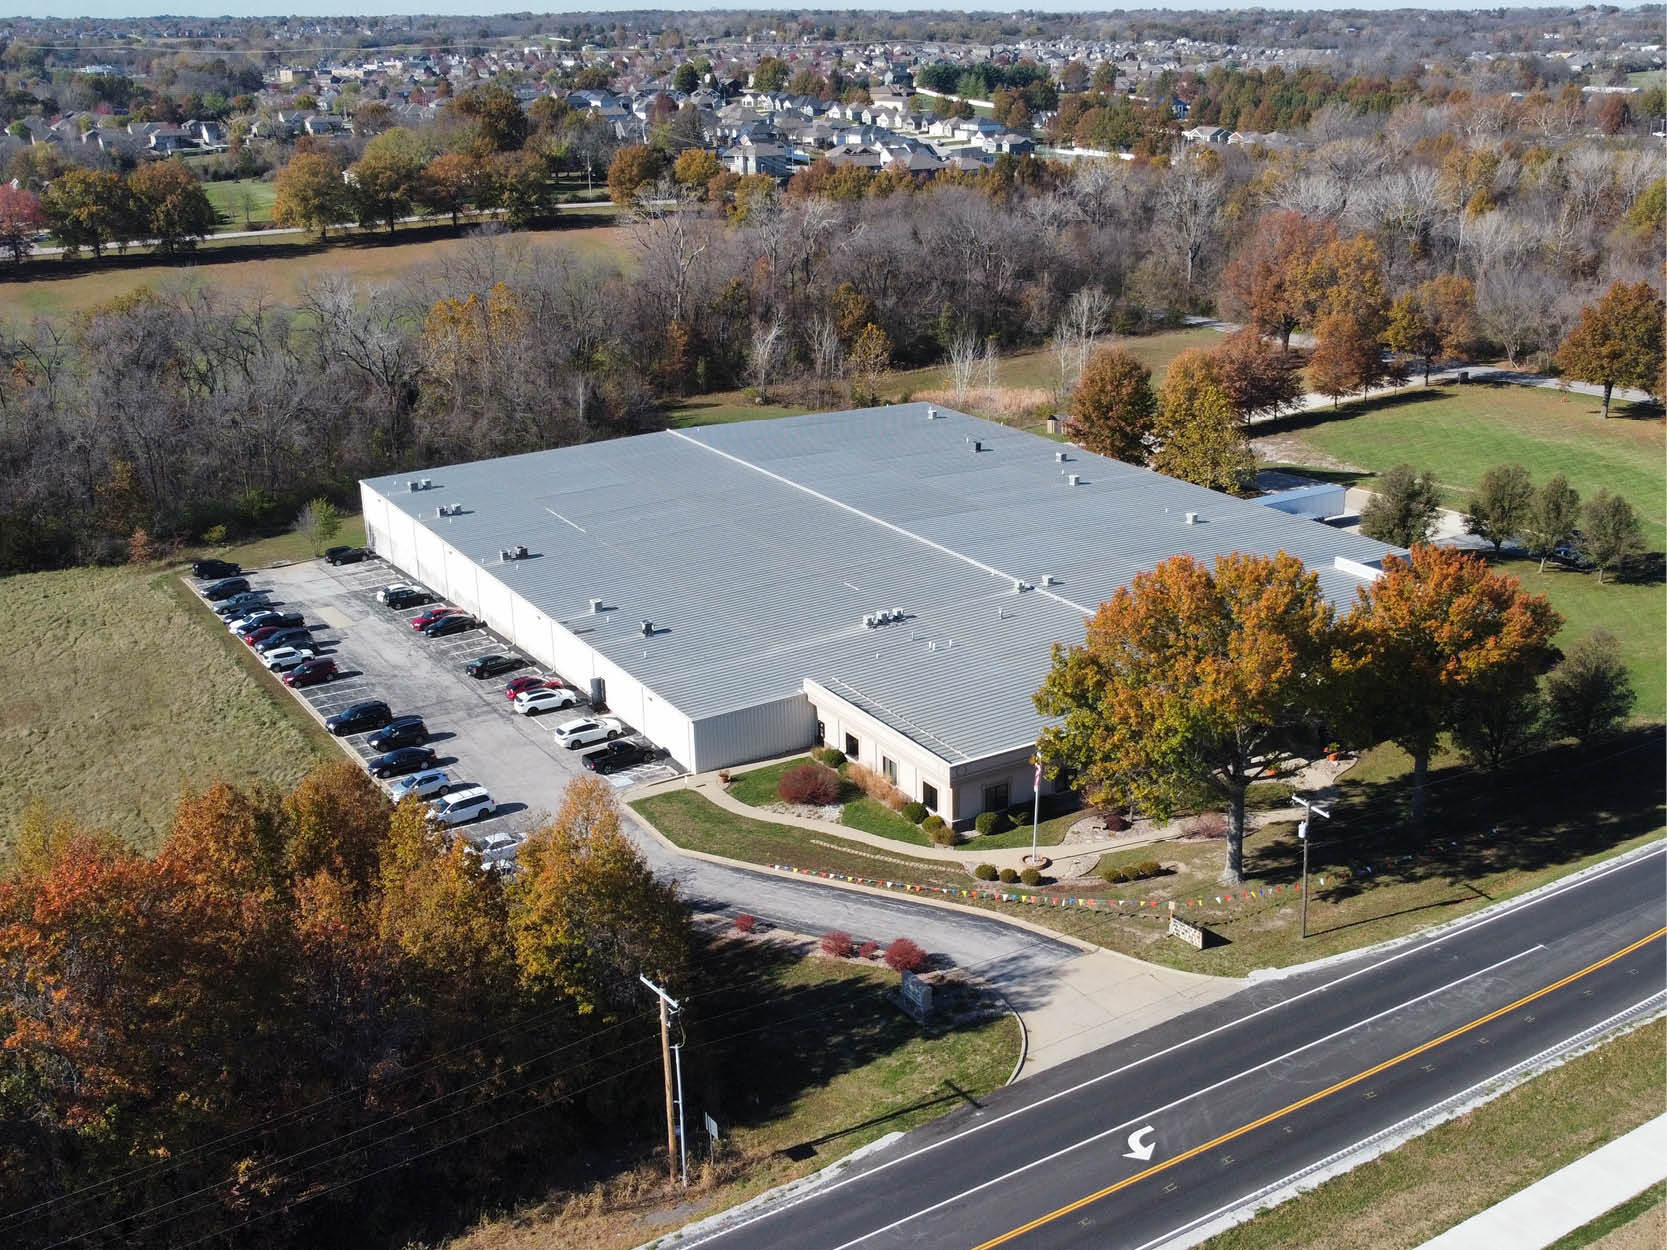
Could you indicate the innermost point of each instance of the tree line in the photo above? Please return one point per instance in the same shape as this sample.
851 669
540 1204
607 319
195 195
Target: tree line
1217 677
307 988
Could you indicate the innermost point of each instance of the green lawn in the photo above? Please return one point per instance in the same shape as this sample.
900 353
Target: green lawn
1405 1197
1458 433
872 816
120 689
242 204
1649 1203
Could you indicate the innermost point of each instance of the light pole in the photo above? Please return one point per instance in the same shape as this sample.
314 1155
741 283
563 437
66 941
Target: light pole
1310 810
674 1128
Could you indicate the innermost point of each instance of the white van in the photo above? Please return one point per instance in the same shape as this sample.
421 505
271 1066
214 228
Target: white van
462 806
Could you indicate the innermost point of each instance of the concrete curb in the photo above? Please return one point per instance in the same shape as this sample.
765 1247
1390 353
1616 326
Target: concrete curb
714 1223
1364 1151
1260 975
944 904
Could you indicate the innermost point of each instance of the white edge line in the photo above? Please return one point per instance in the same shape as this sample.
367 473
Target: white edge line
1117 1129
1074 1089
1447 1109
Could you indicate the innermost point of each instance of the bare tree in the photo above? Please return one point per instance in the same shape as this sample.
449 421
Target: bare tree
964 351
1085 316
764 356
1189 204
827 352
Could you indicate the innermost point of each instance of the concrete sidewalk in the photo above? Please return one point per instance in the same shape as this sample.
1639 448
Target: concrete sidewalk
1567 1199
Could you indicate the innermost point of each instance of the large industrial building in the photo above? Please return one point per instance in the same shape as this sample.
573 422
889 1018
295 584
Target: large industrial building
886 581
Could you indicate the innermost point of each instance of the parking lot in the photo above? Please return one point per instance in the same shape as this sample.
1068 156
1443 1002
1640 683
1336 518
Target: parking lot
476 736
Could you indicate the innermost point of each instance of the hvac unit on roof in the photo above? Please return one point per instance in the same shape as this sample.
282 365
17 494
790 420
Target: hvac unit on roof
520 553
595 606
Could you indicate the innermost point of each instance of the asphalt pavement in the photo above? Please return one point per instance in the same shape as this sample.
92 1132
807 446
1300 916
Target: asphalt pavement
1141 1144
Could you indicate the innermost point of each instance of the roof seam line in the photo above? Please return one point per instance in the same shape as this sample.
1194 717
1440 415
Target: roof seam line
870 517
864 697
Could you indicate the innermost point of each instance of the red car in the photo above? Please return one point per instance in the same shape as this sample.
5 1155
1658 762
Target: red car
531 681
433 614
311 672
262 634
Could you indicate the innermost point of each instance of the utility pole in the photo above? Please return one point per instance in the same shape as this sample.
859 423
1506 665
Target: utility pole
1310 810
668 1004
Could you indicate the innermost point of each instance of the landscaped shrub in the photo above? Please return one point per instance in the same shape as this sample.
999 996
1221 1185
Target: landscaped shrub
868 949
838 943
933 823
985 872
943 835
1115 822
990 822
815 784
1009 877
875 786
914 813
745 923
1115 876
1030 876
1149 868
830 756
1209 825
904 956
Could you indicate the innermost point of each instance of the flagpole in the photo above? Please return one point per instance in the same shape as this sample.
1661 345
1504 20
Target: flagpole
1036 809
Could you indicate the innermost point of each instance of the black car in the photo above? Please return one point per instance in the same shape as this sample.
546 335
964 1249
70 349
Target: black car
401 760
371 714
242 604
298 636
346 555
407 598
491 665
459 624
210 570
225 588
402 731
615 755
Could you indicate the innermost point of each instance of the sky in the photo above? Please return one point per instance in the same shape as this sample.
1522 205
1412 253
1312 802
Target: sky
261 8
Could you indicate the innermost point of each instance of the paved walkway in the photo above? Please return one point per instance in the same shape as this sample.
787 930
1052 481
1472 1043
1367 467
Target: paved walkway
1567 1199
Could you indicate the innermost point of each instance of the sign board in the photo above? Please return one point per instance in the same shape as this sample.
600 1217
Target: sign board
712 1129
1191 934
917 996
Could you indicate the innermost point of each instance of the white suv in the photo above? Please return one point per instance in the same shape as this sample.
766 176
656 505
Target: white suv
462 806
589 729
545 699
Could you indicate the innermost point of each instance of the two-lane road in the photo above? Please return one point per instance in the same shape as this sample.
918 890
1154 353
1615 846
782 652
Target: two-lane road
1140 1143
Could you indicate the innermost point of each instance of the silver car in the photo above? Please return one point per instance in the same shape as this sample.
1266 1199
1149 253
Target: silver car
424 784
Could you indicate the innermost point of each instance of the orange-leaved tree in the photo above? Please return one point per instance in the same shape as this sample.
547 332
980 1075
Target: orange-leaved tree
1433 635
1618 341
1192 677
1113 406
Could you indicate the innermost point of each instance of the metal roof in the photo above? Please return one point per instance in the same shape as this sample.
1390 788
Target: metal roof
757 548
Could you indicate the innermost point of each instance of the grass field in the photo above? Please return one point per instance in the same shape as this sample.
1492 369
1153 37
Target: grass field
1459 433
117 696
286 264
842 1066
242 204
1403 1198
1026 370
1640 1223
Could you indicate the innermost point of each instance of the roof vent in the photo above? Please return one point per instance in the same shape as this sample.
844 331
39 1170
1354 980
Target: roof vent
1060 457
442 510
520 553
504 554
977 446
595 605
1192 518
648 629
427 483
1048 579
1071 479
931 414
413 486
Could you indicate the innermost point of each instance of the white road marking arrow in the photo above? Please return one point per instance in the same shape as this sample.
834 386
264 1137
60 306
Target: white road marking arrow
1139 1149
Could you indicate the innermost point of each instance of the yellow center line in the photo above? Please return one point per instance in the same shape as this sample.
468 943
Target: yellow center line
1358 1077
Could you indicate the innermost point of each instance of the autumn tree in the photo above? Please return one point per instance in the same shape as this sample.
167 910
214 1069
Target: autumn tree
1113 407
868 361
319 522
770 74
387 179
1260 377
170 205
337 820
88 208
1617 342
1191 677
1553 518
1611 533
587 915
1347 356
494 116
633 168
696 167
1437 318
519 184
310 194
1265 282
1590 692
1500 509
1433 636
1198 435
450 183
1403 507
21 220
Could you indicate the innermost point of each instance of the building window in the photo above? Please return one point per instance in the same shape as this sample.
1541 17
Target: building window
821 733
889 767
929 796
850 746
995 798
